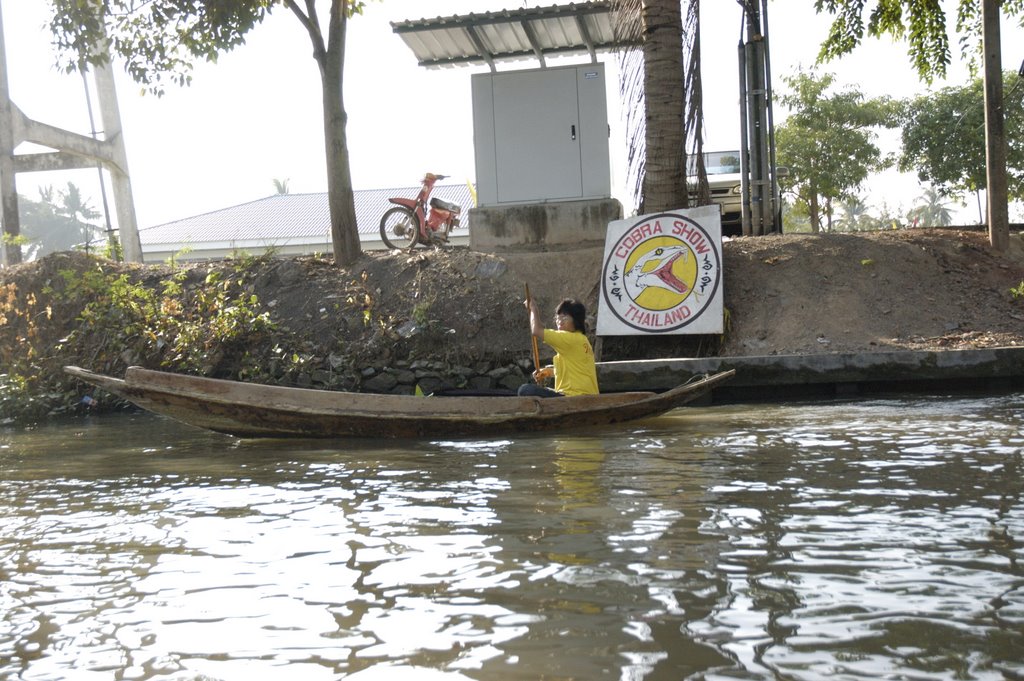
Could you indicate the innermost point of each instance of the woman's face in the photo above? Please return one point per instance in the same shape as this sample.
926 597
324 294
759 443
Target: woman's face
563 322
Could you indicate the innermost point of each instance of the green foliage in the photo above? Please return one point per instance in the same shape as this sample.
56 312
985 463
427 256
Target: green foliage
18 399
113 250
161 40
1017 291
187 329
421 314
19 240
890 219
58 221
22 317
172 260
943 138
932 212
296 363
828 142
922 24
854 216
215 319
245 260
795 219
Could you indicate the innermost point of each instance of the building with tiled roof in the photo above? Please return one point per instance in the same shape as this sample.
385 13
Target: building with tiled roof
287 224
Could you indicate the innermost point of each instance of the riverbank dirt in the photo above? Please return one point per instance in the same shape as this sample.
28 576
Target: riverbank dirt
809 294
787 294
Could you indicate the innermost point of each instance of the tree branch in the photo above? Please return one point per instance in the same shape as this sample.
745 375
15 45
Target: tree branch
312 25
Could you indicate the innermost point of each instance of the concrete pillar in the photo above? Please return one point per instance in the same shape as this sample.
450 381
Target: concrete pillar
8 185
73 151
124 202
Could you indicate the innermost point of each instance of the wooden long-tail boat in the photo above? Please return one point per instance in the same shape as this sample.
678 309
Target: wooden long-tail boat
251 410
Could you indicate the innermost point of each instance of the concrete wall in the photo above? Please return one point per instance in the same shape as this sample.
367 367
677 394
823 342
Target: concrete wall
776 377
495 228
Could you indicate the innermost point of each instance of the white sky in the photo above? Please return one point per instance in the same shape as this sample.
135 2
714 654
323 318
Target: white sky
256 114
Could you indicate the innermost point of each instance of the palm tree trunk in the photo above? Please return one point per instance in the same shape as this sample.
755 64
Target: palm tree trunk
664 186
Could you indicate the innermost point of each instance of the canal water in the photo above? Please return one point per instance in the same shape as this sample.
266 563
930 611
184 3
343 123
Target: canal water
854 540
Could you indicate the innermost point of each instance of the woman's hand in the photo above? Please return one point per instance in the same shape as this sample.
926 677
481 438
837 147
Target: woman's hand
536 327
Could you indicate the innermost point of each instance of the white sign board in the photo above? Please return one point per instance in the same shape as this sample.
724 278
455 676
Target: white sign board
662 274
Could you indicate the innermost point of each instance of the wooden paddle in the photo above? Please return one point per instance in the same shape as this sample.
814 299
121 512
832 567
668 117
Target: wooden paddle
536 352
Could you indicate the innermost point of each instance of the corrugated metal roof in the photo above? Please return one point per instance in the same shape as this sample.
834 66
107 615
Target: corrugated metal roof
584 28
290 218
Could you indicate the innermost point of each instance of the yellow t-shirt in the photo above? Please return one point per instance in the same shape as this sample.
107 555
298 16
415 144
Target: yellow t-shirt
575 371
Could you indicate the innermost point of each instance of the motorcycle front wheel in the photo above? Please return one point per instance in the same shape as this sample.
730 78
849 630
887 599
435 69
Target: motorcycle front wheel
400 228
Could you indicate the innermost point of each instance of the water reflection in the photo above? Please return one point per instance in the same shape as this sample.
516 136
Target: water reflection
869 539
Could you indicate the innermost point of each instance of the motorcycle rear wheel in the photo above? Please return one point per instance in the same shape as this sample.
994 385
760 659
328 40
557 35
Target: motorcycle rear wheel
400 228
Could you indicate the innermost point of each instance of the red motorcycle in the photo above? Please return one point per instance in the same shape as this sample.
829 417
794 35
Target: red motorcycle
409 223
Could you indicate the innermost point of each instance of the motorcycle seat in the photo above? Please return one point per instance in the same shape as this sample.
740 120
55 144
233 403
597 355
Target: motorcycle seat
445 205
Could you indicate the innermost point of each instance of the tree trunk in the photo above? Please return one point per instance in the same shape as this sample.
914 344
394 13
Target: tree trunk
995 129
815 212
665 174
340 199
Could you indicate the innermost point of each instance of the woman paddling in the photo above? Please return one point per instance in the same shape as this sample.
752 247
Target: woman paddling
574 369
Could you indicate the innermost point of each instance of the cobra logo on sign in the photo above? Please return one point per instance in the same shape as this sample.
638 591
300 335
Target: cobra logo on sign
662 273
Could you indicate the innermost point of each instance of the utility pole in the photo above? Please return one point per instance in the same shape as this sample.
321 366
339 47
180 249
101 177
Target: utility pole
757 156
995 129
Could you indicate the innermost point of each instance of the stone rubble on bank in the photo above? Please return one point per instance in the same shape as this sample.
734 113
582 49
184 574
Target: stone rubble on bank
403 377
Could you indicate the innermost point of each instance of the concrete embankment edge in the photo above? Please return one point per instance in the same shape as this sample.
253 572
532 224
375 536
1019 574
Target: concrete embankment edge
775 377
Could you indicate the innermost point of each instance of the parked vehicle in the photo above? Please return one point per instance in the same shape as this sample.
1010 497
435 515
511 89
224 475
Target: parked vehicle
410 223
723 169
725 183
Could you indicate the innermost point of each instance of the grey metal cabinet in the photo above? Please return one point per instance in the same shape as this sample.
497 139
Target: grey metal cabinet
541 135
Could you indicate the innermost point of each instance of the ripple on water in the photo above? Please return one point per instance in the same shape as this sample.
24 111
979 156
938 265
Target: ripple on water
858 539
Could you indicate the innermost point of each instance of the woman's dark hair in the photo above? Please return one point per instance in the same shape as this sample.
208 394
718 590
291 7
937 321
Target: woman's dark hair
576 310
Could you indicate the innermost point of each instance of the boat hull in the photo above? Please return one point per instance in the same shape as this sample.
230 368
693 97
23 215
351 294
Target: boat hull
253 410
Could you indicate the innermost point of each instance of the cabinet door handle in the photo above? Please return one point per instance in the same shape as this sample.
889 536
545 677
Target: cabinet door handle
572 131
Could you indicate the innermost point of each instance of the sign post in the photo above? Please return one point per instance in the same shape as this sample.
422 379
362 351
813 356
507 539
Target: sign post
662 274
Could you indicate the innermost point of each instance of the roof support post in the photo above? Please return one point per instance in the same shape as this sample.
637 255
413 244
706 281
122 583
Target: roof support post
479 45
587 40
532 37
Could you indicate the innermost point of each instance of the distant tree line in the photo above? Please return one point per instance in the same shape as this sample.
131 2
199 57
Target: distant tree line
829 144
58 220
